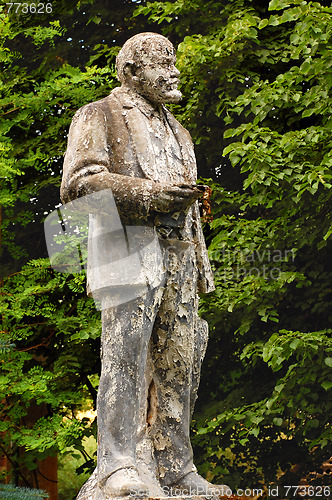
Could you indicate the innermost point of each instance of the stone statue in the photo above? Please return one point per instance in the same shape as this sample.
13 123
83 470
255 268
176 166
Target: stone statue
152 346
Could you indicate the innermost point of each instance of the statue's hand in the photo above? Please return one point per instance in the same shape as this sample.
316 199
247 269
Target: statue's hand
173 197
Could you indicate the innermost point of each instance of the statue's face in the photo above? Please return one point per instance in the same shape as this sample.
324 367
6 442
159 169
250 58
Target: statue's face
157 77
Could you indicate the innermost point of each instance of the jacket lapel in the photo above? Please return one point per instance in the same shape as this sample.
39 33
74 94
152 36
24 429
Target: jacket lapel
186 146
138 131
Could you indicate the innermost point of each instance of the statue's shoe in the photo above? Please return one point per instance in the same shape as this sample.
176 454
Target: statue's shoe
125 482
193 484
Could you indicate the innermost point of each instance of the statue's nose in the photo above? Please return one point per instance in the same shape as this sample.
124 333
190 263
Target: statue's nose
175 72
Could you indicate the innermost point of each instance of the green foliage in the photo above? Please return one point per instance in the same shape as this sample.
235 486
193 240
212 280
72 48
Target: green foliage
72 469
45 362
49 344
10 492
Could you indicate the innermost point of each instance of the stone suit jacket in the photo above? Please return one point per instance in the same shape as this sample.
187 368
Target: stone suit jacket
109 143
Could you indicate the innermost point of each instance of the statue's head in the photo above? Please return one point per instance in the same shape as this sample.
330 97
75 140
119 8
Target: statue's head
146 63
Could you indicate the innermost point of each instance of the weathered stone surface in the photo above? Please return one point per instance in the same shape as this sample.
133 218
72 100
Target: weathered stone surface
152 344
88 492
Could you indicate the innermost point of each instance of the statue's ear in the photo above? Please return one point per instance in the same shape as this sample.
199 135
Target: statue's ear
129 69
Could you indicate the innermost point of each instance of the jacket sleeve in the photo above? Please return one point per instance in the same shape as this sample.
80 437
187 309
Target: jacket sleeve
88 165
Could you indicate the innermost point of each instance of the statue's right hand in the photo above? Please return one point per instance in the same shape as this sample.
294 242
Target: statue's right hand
173 198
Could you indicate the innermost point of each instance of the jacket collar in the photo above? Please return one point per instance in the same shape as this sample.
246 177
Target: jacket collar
130 100
136 104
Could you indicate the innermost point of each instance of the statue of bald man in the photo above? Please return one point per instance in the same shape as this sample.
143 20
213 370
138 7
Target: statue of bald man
152 346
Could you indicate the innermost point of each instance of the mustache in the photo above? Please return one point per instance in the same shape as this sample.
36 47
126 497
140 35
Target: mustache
169 83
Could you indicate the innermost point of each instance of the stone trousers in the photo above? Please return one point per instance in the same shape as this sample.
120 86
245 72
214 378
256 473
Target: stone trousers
152 348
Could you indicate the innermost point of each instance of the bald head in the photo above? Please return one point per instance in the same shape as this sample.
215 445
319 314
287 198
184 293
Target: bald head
146 64
140 49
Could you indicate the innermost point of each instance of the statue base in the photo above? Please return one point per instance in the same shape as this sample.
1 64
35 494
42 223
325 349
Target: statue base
89 492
